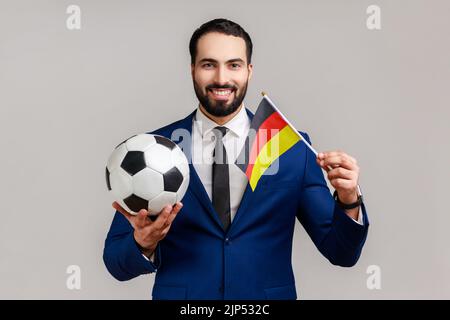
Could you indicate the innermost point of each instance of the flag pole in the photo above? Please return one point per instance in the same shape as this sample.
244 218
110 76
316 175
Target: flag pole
287 121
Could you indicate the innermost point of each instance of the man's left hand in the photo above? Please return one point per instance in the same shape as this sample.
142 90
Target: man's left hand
343 173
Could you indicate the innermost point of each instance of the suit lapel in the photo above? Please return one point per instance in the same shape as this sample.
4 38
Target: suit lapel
246 197
195 184
197 188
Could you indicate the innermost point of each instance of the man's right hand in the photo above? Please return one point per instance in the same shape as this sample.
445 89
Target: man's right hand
148 233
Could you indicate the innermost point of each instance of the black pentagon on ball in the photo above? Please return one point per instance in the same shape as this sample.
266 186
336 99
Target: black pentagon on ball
172 180
136 203
133 162
165 142
108 183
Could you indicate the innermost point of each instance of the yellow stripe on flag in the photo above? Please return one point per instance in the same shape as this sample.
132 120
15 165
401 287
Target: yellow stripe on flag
275 147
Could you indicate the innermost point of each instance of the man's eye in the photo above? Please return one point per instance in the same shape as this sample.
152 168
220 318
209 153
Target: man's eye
207 65
235 65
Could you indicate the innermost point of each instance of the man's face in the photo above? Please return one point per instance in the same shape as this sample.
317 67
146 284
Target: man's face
221 73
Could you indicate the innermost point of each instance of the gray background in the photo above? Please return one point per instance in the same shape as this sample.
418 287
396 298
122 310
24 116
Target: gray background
68 97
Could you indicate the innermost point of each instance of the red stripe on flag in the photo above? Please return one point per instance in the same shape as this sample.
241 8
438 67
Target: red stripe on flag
273 122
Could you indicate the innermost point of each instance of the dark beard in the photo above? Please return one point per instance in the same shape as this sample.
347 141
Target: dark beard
220 108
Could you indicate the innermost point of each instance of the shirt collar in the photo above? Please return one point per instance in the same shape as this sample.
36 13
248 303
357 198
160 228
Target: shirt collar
237 125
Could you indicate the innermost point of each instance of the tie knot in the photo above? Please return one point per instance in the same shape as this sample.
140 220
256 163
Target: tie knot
220 132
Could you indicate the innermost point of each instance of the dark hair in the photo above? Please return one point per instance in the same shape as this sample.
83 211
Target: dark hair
222 26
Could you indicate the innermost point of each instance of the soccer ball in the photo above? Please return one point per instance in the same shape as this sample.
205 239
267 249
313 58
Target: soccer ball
147 172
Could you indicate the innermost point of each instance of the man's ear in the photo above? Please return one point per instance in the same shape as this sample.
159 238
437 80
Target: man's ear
250 71
192 70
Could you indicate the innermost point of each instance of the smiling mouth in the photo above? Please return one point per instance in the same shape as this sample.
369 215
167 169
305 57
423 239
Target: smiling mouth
221 94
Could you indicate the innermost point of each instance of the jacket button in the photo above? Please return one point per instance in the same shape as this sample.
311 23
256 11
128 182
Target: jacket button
227 241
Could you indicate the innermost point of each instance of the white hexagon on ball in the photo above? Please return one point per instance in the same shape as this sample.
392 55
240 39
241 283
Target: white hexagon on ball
180 161
160 201
116 157
121 183
183 188
159 158
140 142
148 183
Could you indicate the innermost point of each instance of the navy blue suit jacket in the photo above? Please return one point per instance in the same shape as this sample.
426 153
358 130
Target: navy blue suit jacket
252 260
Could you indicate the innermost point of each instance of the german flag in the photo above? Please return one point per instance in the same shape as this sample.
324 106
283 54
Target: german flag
269 137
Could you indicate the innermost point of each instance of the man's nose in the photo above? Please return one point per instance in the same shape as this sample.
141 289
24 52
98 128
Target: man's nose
221 76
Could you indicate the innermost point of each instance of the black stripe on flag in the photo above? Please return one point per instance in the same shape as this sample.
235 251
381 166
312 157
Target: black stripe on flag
264 111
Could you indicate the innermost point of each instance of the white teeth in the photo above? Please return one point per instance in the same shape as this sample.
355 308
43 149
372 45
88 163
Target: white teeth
222 93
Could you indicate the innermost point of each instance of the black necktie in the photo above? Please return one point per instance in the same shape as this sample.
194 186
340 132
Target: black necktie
221 178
